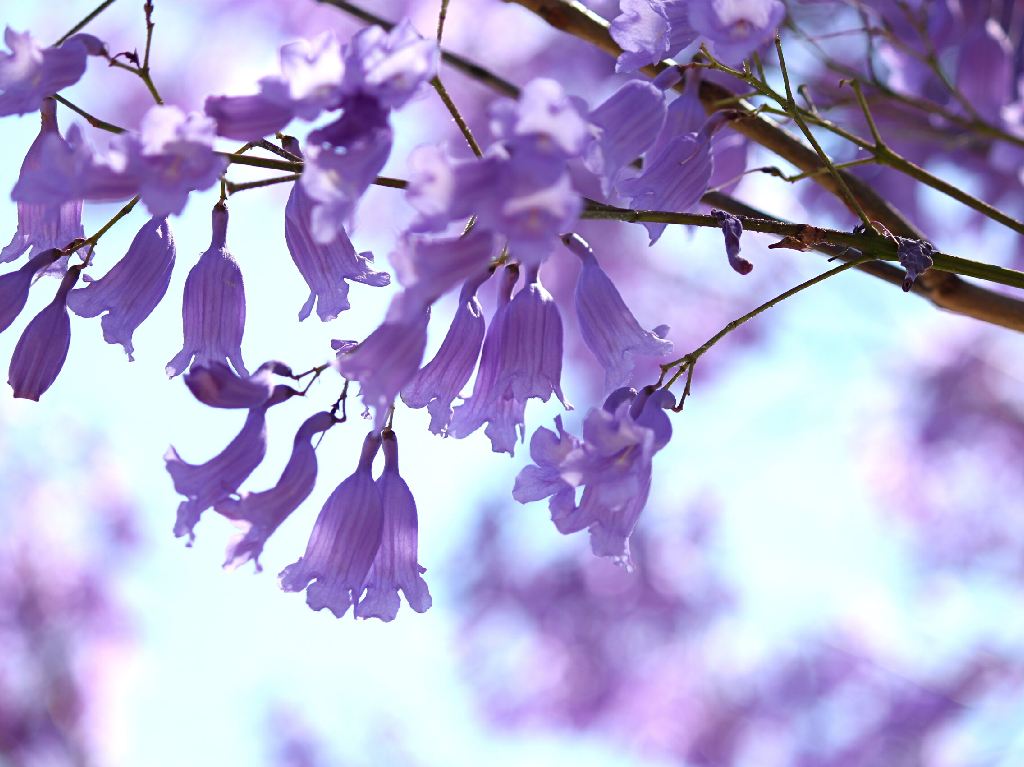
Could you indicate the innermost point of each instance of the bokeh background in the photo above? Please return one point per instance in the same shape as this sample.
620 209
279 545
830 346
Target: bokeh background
829 572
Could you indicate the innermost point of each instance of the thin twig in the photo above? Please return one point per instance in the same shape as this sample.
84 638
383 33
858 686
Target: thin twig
82 24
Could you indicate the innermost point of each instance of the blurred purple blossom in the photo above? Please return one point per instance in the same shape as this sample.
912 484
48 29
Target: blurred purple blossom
29 73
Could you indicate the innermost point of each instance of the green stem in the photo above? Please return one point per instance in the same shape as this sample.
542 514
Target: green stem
93 121
82 24
457 116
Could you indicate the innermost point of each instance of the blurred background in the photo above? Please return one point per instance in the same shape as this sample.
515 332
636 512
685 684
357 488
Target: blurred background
828 574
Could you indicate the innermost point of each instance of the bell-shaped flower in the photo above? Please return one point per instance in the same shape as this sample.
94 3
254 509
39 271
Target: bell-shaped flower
532 365
544 121
396 566
42 226
169 157
213 311
260 514
389 357
29 73
205 484
607 326
133 287
442 189
309 83
43 346
735 29
389 67
675 176
14 286
344 540
219 386
440 381
326 267
339 169
491 402
429 267
627 124
612 463
649 31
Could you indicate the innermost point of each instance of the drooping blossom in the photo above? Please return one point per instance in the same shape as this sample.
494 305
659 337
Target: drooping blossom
732 229
43 346
389 67
627 124
217 385
440 381
649 31
675 176
521 358
169 157
326 267
42 226
260 514
203 485
503 415
389 357
213 310
612 463
14 286
396 566
344 541
607 325
29 73
735 29
133 287
429 267
916 257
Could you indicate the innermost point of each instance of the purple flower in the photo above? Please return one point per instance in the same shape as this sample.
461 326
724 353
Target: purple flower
71 170
390 67
545 121
439 382
607 326
28 74
492 402
985 69
344 540
612 463
171 156
389 357
443 190
732 228
675 176
736 28
44 226
43 347
205 484
310 82
395 566
218 386
14 286
649 31
627 123
213 311
325 267
429 268
916 257
260 514
130 291
335 176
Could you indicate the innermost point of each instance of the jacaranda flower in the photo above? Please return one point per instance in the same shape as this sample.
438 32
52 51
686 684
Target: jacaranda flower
607 326
43 347
344 541
28 74
260 514
133 287
14 286
213 311
42 226
219 386
205 484
396 566
440 381
732 228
